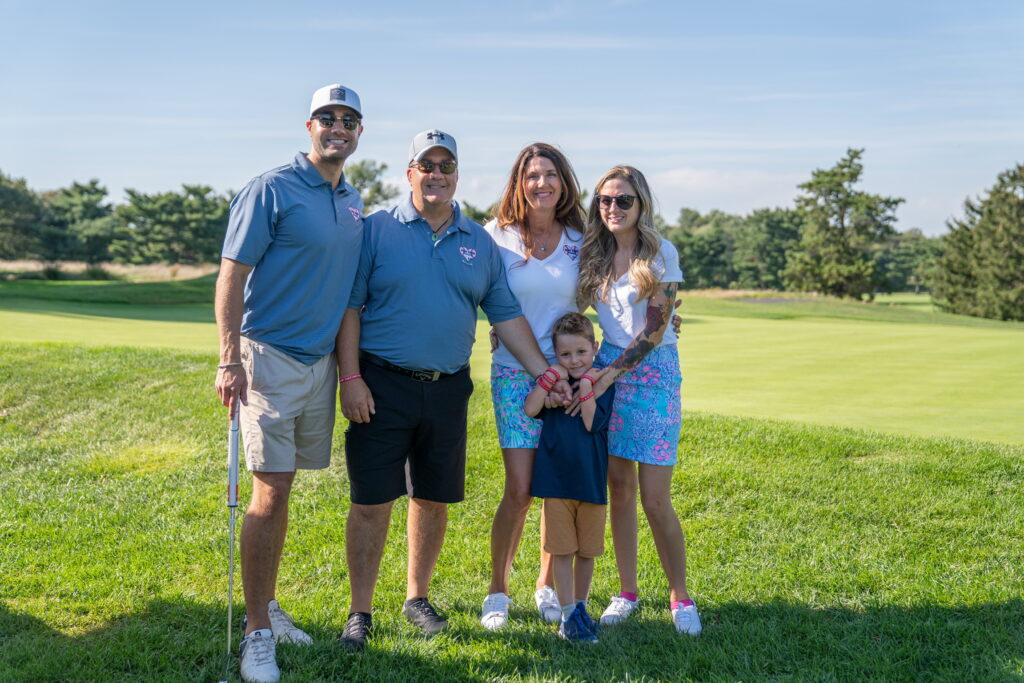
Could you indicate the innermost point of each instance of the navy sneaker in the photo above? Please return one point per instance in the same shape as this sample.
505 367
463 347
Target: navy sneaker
592 625
574 629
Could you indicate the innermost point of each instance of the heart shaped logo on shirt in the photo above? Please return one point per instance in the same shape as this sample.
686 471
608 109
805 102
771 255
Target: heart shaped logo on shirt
355 213
468 254
572 251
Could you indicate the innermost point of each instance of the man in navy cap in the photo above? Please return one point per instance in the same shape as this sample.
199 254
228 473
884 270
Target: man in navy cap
287 267
403 353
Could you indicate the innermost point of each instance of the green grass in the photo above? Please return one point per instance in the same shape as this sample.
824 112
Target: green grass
815 553
881 367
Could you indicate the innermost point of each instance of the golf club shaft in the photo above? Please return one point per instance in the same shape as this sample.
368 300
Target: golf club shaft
232 505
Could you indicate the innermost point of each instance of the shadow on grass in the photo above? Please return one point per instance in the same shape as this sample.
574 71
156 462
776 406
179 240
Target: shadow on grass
186 641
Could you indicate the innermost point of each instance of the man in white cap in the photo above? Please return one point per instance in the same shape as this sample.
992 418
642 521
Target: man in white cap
403 353
287 267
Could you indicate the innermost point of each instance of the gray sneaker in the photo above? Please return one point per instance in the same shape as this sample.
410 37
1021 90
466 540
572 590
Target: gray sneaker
422 614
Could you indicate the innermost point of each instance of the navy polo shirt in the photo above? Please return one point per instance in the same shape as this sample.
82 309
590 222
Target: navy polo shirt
572 462
421 296
302 239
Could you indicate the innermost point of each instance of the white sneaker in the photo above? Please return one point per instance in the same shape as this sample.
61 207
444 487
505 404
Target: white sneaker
617 611
495 611
687 620
547 604
257 660
284 630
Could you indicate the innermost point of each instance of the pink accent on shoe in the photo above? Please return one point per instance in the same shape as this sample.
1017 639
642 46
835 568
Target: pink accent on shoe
681 603
632 597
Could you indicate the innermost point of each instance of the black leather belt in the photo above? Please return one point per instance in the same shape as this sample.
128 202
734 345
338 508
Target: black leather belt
418 375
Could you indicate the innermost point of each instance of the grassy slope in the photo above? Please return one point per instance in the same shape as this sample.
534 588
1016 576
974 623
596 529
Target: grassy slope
815 553
887 368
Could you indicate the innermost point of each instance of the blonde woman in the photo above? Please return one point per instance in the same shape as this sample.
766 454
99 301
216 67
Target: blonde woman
630 274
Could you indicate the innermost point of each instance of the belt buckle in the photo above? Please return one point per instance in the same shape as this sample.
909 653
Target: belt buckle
426 375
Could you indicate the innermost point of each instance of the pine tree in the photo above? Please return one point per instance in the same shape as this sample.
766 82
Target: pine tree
841 227
980 270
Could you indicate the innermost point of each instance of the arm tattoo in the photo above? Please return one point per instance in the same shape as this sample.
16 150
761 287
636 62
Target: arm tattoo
655 319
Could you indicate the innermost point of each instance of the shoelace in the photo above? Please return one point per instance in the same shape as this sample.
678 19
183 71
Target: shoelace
261 650
426 608
497 603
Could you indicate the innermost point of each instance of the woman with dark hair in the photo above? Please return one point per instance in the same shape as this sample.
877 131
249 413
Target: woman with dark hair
630 274
538 226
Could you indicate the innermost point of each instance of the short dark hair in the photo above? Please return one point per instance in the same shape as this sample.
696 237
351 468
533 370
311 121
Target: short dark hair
573 323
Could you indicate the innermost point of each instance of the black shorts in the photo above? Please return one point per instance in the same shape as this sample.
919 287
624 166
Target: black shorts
415 442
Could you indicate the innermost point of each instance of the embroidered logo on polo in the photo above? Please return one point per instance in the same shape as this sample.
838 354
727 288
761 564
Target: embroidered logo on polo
338 94
468 254
355 213
571 250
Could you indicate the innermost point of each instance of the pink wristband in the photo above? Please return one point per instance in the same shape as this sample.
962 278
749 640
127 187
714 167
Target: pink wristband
348 379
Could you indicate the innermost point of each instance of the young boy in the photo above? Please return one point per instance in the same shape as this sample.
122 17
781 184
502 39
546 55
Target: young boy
570 472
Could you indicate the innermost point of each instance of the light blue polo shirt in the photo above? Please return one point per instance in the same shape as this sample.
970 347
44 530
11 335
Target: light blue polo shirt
303 241
421 296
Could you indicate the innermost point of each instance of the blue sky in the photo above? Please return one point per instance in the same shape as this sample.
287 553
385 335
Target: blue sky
723 105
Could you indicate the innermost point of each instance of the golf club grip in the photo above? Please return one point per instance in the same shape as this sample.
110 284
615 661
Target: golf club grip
233 462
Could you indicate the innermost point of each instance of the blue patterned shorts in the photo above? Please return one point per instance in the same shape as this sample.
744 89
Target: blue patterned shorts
509 388
646 414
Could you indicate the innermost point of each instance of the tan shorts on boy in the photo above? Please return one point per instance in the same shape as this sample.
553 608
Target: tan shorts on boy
289 421
573 527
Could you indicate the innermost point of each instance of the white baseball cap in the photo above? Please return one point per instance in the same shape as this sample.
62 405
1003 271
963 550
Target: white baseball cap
428 140
335 93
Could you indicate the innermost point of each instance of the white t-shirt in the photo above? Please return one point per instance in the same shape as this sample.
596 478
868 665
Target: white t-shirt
545 289
621 316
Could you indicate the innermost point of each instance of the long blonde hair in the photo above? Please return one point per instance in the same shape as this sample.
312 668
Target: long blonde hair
597 257
512 208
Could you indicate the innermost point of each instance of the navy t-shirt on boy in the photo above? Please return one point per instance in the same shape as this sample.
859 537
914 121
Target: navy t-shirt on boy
572 462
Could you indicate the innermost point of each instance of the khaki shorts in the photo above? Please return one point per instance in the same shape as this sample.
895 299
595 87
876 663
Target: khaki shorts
572 527
289 421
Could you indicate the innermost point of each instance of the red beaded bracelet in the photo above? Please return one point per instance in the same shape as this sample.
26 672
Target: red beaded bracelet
545 383
592 381
342 380
587 397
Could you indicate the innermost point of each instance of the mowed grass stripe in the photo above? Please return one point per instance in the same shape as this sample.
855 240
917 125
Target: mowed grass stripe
876 367
925 380
815 553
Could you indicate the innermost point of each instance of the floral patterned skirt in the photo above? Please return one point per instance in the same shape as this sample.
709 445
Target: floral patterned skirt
509 387
646 415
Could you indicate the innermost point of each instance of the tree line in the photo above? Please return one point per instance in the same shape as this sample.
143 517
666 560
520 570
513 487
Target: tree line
836 239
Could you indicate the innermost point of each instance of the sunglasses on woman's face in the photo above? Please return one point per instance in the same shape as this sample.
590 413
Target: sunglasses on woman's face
328 120
447 166
623 201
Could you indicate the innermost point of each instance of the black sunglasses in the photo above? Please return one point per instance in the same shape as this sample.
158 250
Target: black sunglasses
328 120
623 201
447 166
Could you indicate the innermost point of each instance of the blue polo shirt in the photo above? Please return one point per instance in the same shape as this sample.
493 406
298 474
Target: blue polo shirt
303 241
421 296
572 462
